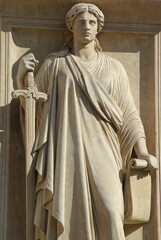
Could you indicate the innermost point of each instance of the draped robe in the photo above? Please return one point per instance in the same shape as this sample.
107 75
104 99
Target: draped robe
87 130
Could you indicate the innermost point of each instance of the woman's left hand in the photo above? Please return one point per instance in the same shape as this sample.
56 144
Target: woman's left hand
152 161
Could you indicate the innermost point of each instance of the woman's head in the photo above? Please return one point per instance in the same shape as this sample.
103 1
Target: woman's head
78 10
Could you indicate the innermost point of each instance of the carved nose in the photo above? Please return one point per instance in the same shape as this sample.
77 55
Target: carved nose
86 26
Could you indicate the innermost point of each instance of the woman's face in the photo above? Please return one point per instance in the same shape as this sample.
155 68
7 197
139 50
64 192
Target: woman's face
85 28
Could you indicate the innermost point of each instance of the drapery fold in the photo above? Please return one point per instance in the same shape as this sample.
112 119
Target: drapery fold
85 136
96 94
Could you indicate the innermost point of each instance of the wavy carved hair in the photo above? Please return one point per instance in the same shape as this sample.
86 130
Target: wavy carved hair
76 10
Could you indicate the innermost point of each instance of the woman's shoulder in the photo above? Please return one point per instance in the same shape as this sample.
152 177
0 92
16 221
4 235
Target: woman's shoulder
59 54
50 58
113 62
117 68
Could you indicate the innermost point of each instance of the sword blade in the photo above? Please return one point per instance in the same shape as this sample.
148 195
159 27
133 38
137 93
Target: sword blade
30 165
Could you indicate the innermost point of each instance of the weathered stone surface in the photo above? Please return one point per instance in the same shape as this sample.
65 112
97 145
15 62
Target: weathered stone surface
131 35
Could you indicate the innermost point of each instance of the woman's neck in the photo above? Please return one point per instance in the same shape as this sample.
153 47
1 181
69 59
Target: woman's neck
84 51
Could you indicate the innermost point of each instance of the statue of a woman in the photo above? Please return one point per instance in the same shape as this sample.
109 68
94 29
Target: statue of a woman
87 131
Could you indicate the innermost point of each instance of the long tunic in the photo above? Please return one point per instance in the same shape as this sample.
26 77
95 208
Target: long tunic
86 134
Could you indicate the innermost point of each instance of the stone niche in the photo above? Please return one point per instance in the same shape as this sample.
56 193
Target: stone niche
131 34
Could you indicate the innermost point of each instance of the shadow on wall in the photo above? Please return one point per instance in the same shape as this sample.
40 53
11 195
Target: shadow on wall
40 42
16 191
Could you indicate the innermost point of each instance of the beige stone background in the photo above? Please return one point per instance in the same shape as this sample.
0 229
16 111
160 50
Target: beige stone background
131 34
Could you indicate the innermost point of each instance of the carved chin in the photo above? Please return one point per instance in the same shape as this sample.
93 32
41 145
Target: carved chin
87 39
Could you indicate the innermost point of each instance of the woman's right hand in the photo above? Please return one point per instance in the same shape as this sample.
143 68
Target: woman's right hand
27 64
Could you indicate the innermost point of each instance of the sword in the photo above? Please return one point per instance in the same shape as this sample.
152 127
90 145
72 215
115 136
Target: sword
31 95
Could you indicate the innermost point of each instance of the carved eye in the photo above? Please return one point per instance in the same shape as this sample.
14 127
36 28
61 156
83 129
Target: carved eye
92 22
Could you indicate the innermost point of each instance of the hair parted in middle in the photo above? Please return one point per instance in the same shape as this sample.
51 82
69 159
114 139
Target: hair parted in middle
75 11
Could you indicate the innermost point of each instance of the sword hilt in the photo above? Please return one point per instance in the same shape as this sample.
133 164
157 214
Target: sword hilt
29 79
30 89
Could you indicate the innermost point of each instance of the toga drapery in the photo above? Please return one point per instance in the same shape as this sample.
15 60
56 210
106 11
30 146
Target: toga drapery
87 130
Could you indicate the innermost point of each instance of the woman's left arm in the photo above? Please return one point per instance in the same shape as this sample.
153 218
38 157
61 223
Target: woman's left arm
142 153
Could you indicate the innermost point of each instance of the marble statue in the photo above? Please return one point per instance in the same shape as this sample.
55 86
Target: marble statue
86 132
